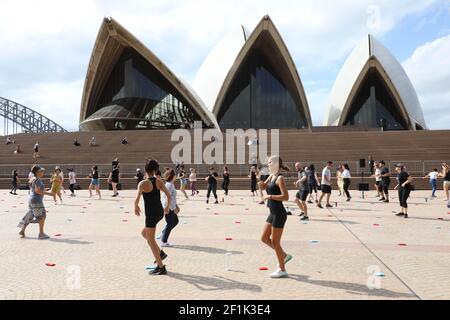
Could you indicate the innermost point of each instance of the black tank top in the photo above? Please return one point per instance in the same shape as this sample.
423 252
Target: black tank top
152 200
274 190
253 175
447 176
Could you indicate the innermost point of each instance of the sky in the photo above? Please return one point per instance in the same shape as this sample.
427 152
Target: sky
46 45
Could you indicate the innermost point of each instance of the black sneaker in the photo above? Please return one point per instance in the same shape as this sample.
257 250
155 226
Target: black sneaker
329 206
406 216
319 206
163 256
207 201
386 201
305 218
400 214
217 202
158 271
289 213
349 199
310 202
301 214
382 199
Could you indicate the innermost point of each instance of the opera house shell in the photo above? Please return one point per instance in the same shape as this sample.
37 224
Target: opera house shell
128 88
263 90
248 80
373 90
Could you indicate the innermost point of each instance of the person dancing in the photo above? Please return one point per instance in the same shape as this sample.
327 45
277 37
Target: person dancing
150 189
37 212
277 192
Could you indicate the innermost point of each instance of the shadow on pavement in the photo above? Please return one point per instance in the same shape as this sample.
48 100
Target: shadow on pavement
214 283
206 249
353 288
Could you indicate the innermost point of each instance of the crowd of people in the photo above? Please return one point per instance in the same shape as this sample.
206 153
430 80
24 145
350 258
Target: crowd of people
159 193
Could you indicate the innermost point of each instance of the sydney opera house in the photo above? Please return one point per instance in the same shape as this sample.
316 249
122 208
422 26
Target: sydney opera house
249 80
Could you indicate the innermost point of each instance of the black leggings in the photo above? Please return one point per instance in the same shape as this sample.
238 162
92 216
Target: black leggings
403 195
172 222
253 186
72 188
212 188
225 186
14 187
346 186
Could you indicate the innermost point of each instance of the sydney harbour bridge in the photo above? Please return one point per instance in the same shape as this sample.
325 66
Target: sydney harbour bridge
20 119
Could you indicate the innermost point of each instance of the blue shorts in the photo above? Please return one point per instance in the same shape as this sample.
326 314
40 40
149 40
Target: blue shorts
95 182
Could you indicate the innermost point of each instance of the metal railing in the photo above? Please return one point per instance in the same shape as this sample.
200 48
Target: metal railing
415 168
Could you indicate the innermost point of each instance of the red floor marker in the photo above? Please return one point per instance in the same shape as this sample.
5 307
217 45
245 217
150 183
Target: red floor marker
216 214
402 244
48 264
124 220
58 235
263 269
440 218
237 222
376 225
228 239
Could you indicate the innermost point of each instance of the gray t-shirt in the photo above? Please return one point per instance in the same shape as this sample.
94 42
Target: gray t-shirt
34 197
304 184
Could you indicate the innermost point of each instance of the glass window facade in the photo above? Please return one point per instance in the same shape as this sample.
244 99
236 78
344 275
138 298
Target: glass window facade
374 106
137 96
259 99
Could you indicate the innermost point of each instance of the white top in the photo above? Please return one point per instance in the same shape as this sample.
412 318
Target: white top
193 177
30 176
173 196
433 175
72 177
326 176
346 174
378 174
62 176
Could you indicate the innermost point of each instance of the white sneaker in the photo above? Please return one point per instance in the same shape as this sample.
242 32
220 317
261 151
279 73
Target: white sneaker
279 274
165 244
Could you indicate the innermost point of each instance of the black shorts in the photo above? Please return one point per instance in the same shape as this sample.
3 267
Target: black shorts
277 218
115 179
326 189
302 195
312 188
152 219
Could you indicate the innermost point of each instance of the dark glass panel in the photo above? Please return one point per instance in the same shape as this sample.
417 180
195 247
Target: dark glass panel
374 106
137 96
259 99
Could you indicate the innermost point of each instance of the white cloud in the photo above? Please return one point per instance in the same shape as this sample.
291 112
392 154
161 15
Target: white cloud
58 101
429 70
47 43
